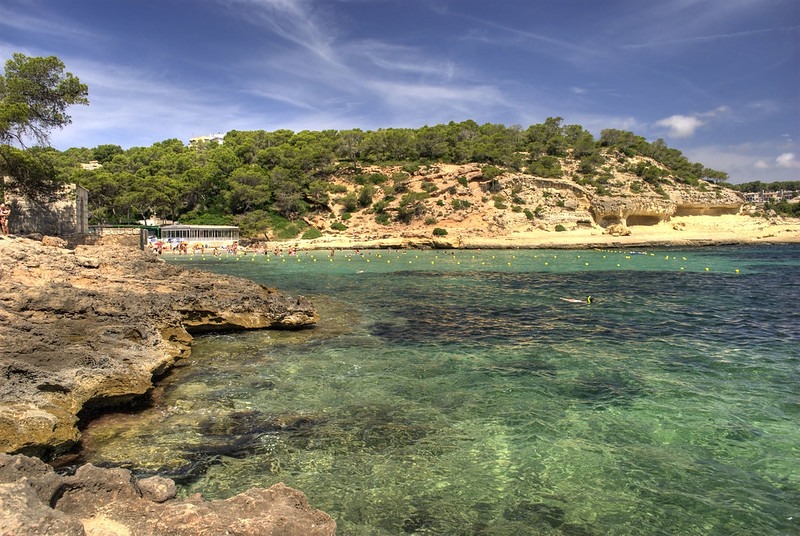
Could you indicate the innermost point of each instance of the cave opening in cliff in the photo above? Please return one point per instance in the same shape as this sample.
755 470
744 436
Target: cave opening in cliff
643 220
705 211
607 221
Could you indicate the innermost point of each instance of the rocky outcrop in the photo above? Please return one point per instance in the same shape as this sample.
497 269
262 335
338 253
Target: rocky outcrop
650 210
85 328
693 202
34 500
619 210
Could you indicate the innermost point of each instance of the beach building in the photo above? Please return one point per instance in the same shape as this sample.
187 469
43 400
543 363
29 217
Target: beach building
209 235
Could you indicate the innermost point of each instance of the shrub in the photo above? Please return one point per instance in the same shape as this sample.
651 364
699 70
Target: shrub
312 233
346 216
528 214
350 202
463 181
490 172
429 187
381 205
338 226
438 231
365 196
460 204
382 218
560 228
287 232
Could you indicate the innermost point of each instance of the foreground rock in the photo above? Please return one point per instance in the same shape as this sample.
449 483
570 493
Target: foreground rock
34 500
85 328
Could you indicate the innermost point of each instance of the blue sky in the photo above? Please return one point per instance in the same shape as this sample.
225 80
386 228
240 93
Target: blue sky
717 79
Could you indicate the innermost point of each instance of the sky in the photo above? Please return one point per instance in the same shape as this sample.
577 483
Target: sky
717 79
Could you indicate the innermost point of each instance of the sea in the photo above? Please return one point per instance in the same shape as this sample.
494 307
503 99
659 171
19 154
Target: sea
460 393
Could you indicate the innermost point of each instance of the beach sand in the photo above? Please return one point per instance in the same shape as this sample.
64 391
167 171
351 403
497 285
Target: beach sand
678 231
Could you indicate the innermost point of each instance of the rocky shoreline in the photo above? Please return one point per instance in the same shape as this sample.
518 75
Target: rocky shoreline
94 327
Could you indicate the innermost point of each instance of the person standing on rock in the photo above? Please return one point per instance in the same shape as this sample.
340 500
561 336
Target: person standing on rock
5 212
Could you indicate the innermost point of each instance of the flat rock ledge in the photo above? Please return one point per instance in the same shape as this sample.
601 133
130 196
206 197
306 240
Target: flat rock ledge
92 327
34 500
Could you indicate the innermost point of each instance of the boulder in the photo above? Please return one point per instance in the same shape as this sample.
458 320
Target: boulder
34 500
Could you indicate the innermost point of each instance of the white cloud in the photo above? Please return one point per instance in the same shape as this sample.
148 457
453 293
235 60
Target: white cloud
747 162
681 126
787 161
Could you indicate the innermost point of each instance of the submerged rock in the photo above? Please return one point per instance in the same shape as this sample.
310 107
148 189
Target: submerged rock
91 327
35 500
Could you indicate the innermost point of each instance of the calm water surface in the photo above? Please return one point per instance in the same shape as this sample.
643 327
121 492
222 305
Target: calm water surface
456 393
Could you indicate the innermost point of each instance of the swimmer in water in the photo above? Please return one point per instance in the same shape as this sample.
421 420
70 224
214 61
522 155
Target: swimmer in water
587 301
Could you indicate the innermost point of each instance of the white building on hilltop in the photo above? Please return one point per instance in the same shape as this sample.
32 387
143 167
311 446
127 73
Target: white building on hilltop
202 140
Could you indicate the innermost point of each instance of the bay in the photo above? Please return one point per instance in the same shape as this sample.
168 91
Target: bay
456 392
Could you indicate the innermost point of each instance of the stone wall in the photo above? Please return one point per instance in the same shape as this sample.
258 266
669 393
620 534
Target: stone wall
65 217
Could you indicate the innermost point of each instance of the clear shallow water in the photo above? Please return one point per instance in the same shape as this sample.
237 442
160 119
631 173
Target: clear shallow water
457 394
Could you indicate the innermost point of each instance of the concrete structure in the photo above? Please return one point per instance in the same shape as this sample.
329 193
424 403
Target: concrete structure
65 217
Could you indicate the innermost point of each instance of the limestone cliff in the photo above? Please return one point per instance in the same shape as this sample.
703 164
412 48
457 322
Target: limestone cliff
84 328
467 201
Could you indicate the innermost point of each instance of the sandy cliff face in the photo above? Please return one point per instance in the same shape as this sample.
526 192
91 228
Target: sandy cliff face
464 202
91 327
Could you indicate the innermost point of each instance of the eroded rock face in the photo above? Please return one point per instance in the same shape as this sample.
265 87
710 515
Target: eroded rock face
643 210
617 210
34 500
93 326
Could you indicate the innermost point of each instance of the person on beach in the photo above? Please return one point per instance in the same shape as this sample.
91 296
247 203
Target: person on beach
5 212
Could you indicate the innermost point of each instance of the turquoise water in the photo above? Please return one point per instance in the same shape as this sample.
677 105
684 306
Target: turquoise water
456 393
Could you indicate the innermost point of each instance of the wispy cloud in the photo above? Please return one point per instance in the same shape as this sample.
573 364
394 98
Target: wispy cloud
304 23
705 38
27 19
747 161
787 161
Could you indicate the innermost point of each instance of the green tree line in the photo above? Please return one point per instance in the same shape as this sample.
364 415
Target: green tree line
288 174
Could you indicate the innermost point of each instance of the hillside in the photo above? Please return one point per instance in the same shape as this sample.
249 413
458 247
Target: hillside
458 183
456 204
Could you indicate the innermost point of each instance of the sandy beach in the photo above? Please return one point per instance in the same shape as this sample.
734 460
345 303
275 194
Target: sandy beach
678 231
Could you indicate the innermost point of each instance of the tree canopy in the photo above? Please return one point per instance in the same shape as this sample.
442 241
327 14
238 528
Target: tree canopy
35 93
260 179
